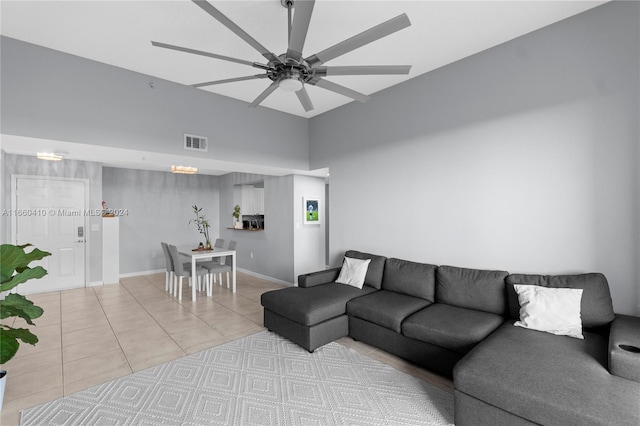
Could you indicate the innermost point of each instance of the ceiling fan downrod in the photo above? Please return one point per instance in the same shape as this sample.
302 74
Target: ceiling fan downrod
289 5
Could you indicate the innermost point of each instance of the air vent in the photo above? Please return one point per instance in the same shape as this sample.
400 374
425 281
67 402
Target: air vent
198 143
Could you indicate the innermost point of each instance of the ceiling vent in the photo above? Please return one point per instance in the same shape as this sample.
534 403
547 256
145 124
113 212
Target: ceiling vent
198 143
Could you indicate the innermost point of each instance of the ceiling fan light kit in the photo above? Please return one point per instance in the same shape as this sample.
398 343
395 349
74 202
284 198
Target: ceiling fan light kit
291 71
290 84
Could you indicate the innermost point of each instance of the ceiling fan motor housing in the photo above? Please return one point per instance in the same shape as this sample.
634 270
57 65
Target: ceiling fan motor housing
290 69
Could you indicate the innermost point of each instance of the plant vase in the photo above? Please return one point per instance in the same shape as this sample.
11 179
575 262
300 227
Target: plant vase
3 383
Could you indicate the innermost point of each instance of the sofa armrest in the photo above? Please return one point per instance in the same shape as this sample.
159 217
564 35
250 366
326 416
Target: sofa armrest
320 277
624 347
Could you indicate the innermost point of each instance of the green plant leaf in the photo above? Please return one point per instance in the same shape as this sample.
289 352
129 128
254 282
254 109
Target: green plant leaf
8 347
36 254
11 257
16 305
14 258
19 333
21 277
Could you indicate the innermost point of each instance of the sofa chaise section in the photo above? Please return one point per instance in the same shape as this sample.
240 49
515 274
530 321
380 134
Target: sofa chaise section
519 376
314 313
530 377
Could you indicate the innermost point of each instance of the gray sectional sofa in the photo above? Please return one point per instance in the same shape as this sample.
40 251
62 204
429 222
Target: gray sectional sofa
458 322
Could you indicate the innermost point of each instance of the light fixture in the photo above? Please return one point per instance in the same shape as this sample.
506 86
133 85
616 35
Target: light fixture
290 84
185 170
49 156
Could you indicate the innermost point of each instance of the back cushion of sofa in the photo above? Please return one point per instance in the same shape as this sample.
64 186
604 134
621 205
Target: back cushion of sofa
472 289
596 307
411 278
375 270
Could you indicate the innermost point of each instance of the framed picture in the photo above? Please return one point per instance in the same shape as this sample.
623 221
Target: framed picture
311 210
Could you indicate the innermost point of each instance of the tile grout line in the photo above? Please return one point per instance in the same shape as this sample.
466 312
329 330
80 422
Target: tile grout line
192 312
111 327
62 345
151 315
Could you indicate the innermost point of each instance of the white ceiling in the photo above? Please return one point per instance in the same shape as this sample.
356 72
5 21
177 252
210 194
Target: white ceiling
120 32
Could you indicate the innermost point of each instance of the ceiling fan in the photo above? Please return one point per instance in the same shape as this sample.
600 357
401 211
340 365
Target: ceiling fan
291 71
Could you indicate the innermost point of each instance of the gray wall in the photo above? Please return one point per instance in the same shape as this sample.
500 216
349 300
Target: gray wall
26 165
159 209
272 248
308 240
524 157
52 95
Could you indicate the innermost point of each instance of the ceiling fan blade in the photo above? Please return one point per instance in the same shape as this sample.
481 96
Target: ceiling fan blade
345 91
220 17
299 27
230 80
208 54
273 86
364 70
359 40
304 98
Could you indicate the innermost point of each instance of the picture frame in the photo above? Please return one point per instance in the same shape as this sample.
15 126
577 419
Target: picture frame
311 211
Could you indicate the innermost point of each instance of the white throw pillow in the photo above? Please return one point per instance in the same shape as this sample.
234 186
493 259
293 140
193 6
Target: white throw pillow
553 310
353 271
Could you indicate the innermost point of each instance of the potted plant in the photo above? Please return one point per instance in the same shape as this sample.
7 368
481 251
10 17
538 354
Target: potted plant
202 223
236 216
14 270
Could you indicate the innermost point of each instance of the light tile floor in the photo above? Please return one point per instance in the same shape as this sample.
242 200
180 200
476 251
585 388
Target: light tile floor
92 335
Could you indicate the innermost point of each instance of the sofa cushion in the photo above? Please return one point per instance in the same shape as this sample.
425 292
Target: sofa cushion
411 278
596 308
451 327
310 306
375 270
548 379
385 308
472 288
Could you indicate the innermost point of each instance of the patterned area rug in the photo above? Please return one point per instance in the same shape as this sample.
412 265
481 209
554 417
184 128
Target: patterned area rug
261 379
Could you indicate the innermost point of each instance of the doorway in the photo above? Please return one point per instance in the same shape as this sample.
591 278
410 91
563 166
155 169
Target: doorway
51 214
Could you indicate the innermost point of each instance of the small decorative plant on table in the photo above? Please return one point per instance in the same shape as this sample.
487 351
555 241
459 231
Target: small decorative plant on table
14 270
202 223
236 216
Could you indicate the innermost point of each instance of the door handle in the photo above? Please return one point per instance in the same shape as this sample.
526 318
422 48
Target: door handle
79 241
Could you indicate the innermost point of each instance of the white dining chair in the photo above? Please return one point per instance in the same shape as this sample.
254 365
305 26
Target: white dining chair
169 274
218 268
181 271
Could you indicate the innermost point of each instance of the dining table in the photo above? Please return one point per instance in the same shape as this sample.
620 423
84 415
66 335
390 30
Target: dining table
196 254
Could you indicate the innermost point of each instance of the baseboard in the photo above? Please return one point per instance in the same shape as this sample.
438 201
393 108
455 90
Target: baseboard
95 284
264 277
244 271
136 274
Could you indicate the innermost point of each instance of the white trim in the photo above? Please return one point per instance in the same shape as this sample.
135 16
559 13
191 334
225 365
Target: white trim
264 277
244 271
137 274
95 284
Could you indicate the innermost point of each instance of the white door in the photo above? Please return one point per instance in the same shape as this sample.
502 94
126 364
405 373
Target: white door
50 214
